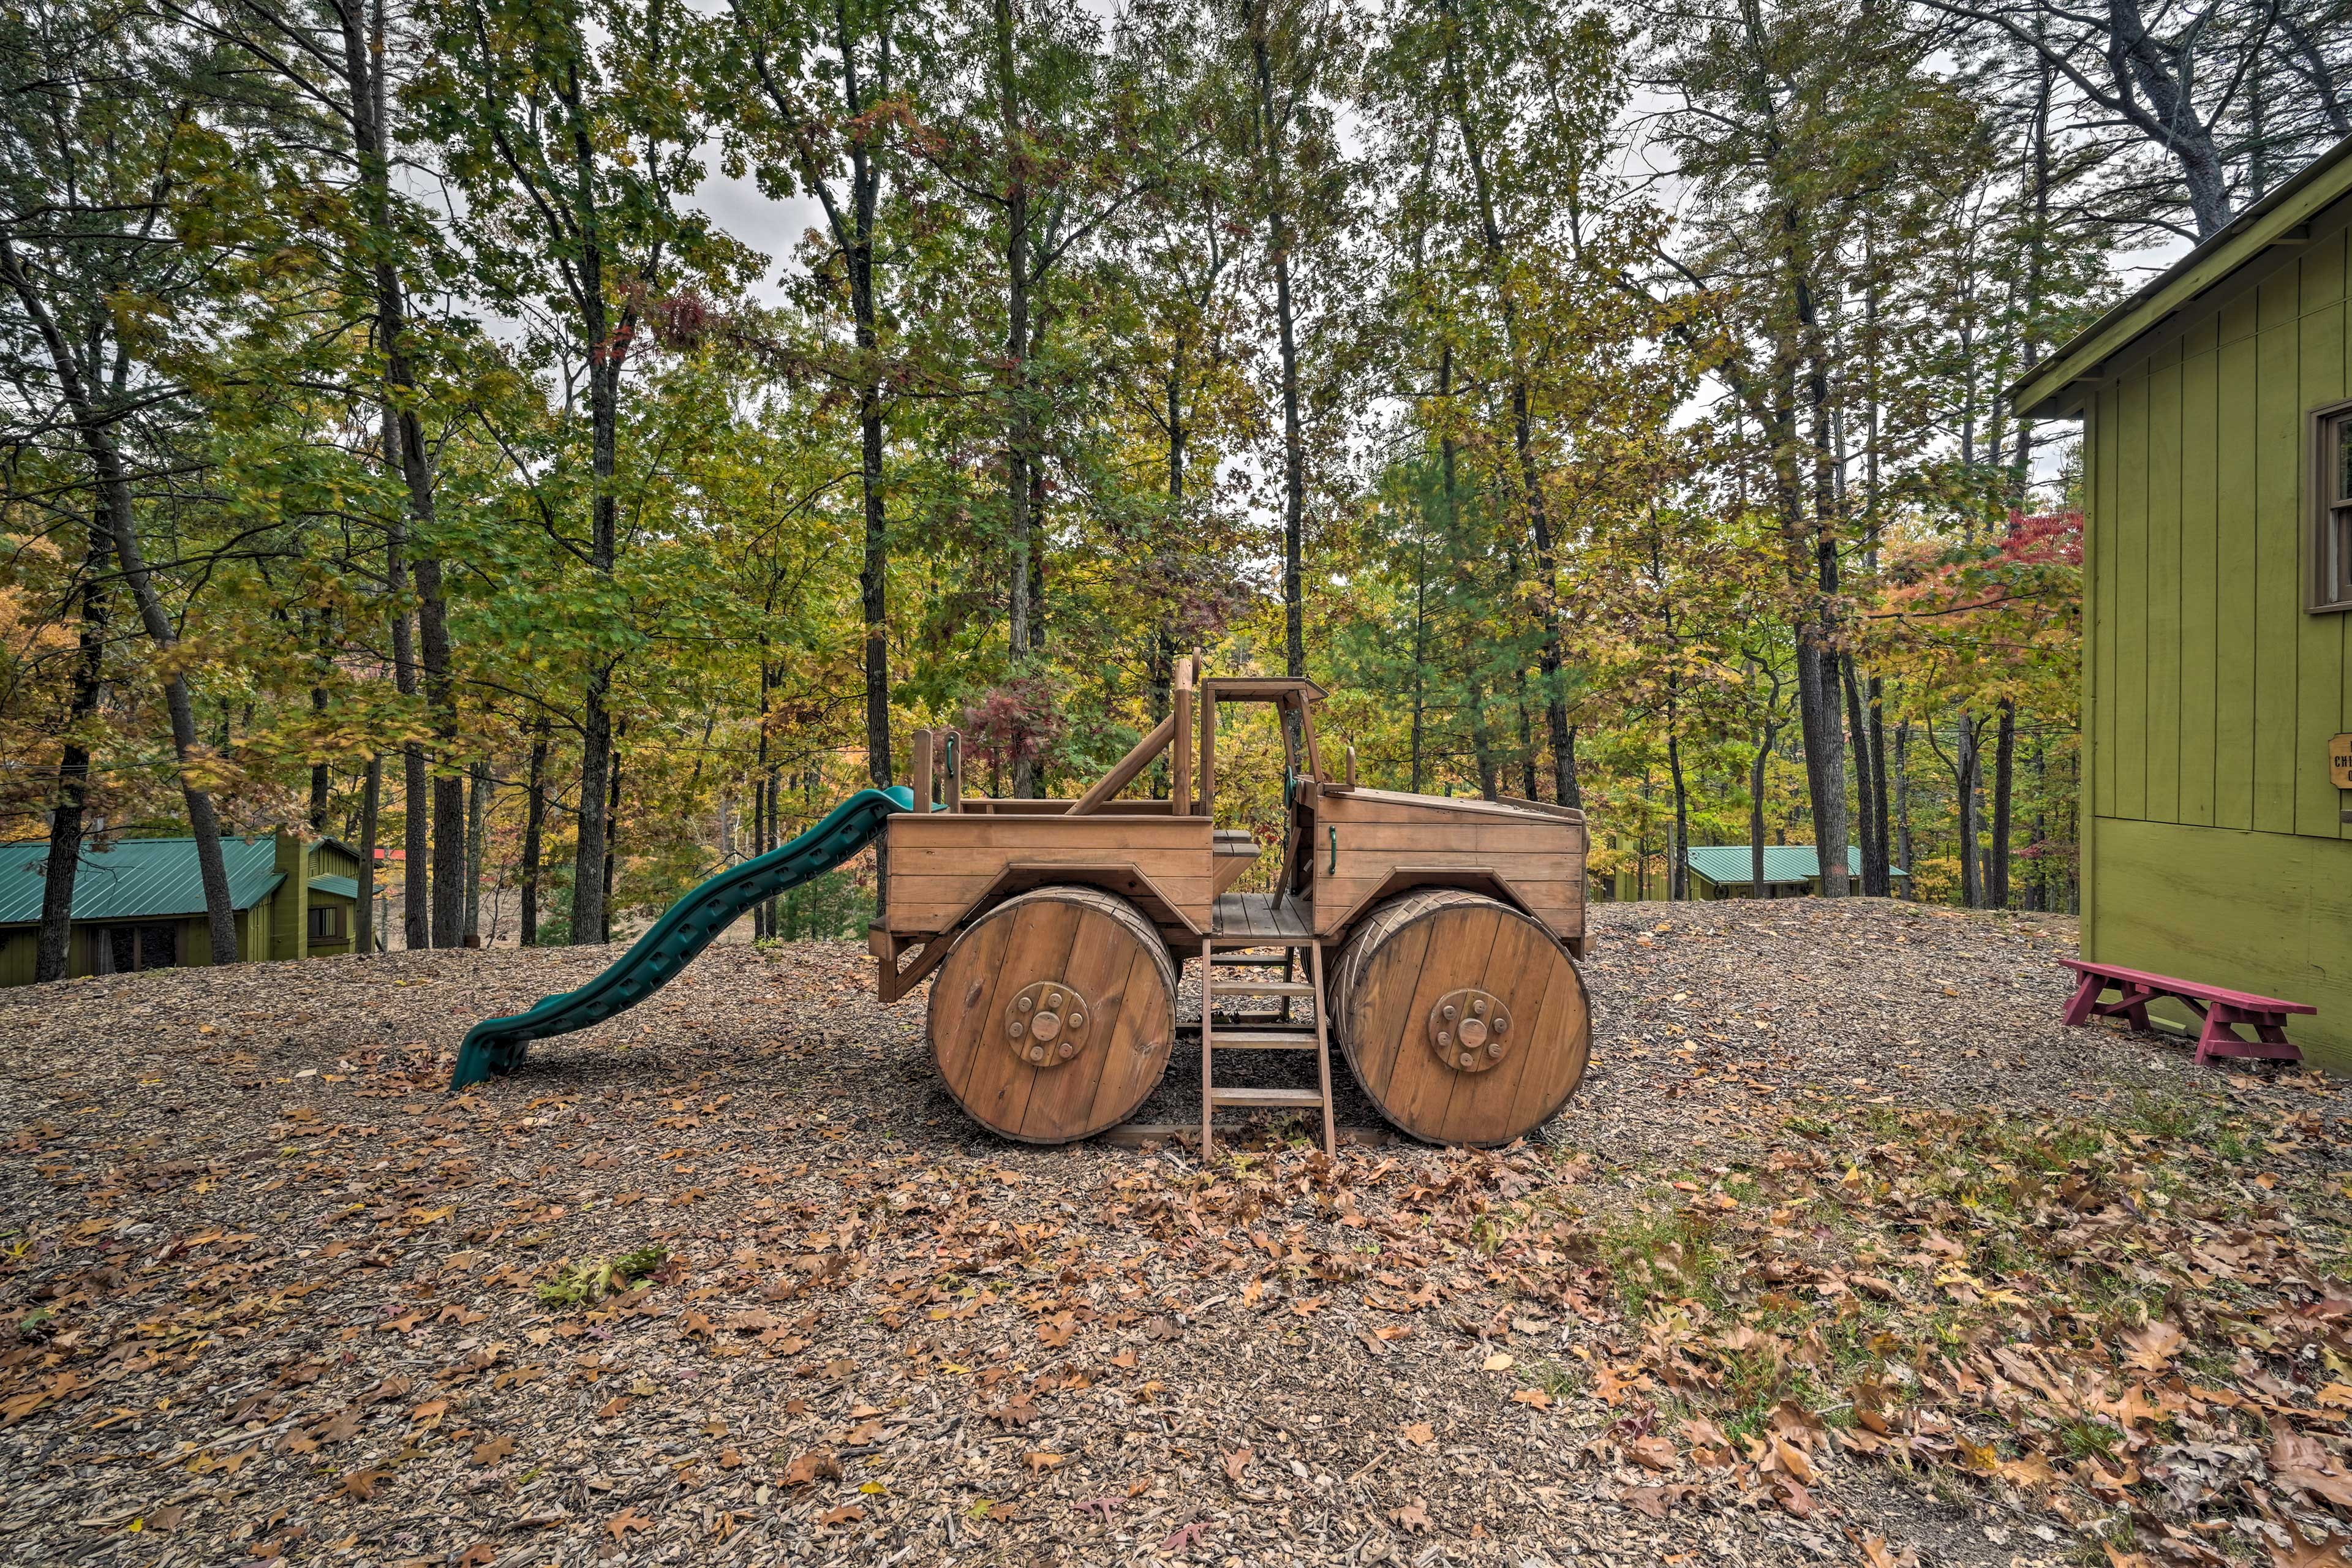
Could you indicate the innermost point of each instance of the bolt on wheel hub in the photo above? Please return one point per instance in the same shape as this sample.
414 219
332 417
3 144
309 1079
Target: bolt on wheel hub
1470 1029
1045 1023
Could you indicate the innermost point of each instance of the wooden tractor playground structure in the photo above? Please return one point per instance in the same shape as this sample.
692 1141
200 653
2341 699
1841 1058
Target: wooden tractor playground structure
1435 939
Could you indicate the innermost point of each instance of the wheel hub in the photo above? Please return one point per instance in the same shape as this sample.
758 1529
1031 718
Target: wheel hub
1047 1022
1470 1029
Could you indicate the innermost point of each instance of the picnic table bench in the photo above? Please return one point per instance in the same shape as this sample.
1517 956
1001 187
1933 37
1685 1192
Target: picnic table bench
2221 1010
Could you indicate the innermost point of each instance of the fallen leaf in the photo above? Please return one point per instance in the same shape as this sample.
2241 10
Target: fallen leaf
1042 1460
627 1520
1237 1464
361 1484
1413 1516
848 1513
1420 1433
817 1464
492 1452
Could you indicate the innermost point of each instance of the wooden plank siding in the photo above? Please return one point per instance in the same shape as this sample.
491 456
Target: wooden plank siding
1539 855
940 863
2212 837
2211 694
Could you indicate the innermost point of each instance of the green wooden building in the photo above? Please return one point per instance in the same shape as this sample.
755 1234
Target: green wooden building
140 903
2217 435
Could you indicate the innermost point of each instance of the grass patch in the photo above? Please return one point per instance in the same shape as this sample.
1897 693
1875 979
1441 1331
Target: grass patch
593 1279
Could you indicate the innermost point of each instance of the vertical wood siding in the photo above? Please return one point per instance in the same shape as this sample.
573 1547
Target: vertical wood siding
2216 692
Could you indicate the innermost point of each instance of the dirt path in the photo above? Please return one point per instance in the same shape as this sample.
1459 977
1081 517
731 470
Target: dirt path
270 1294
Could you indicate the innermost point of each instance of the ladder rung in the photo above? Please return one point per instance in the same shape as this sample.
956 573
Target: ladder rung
1268 1096
1266 988
1249 960
1223 1038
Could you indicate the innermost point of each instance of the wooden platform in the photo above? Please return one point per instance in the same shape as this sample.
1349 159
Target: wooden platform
1262 917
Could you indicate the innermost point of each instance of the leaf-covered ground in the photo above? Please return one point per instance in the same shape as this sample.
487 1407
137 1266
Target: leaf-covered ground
1847 1252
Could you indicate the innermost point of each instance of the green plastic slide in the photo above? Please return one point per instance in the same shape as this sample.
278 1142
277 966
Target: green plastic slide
691 924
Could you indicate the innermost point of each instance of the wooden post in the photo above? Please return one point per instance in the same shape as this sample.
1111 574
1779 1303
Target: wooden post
923 772
954 744
1179 750
1207 751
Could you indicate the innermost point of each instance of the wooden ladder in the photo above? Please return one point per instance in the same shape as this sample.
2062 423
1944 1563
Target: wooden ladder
1277 1035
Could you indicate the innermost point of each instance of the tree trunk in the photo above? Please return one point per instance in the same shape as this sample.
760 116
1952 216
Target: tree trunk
478 785
1964 786
2004 773
534 825
322 773
364 56
371 812
1758 888
53 950
1481 740
611 837
1270 127
1873 850
449 881
1017 435
1903 850
1678 868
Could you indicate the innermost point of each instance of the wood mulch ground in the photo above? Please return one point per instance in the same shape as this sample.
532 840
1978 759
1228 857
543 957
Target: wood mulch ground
730 1279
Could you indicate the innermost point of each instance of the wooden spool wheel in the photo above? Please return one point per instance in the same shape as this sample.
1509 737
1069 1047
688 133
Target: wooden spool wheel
1052 1015
1464 1019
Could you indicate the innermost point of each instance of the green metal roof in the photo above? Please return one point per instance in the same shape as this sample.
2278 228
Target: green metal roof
341 887
135 879
1721 863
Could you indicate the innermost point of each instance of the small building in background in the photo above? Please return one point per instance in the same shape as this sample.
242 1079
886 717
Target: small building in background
1791 872
140 903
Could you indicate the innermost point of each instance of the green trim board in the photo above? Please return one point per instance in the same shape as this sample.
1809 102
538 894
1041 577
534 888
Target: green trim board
2055 387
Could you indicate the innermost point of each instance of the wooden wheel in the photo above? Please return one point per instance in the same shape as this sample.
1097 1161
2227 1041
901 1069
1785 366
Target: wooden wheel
1463 1018
1052 1015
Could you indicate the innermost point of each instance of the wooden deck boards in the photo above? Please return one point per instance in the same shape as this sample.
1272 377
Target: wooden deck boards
1262 916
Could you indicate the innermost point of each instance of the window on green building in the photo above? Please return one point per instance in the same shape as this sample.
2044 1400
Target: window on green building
326 922
2331 522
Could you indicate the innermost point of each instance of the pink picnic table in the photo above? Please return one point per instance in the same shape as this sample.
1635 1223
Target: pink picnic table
2223 1010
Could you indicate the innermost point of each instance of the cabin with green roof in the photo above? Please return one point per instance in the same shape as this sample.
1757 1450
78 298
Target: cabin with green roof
2216 405
139 903
1791 872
